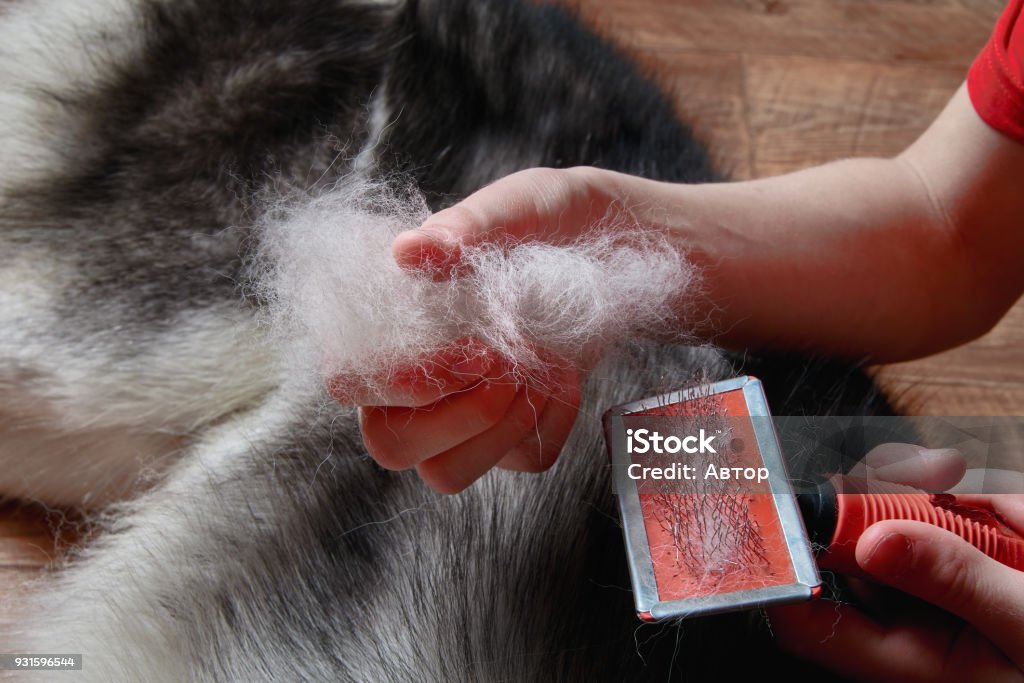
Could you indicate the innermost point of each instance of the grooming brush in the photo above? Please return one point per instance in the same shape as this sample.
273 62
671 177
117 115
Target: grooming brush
711 521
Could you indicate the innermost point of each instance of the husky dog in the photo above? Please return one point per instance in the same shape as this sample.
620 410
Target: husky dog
241 531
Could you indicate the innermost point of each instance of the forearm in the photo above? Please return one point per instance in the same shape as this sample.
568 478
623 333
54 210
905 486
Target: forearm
884 258
847 258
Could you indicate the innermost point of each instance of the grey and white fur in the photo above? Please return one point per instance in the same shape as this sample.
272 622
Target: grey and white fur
242 532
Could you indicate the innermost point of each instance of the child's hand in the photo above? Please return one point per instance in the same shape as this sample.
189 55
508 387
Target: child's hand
968 624
454 419
459 414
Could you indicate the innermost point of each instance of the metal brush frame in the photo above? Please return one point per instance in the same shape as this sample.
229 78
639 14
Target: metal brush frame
649 606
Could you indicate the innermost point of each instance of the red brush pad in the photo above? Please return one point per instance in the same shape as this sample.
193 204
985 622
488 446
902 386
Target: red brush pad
770 565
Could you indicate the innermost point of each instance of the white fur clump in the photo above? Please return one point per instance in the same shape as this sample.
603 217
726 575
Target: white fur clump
344 309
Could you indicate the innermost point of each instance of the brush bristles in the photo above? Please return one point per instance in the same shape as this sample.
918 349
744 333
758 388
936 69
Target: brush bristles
711 536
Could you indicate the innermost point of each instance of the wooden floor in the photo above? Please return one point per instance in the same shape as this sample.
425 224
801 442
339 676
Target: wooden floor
776 85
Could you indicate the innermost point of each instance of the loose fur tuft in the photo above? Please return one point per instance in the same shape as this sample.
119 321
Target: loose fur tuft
340 305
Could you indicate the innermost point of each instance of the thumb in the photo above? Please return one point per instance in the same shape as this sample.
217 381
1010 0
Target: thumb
943 569
539 203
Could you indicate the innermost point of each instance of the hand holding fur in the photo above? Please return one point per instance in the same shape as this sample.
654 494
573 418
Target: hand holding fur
542 297
343 308
482 360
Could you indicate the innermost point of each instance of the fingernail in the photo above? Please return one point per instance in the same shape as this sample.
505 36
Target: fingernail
890 557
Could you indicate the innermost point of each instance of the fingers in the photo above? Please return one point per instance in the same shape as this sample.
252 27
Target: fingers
458 467
399 438
946 571
463 411
999 490
541 447
553 205
928 469
455 441
1009 506
452 369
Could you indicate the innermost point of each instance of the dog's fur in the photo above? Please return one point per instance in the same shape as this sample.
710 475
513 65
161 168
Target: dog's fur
243 532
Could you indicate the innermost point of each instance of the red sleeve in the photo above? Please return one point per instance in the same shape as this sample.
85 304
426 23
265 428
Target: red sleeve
996 79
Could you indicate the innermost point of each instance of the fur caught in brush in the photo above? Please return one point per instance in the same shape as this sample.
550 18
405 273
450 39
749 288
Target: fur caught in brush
245 533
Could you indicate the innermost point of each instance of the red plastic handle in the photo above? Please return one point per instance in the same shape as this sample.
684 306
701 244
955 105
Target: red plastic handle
979 526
